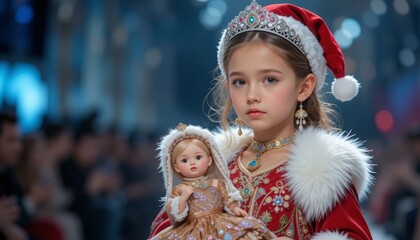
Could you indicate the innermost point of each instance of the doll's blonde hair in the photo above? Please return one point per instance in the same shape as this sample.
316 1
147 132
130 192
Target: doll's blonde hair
182 145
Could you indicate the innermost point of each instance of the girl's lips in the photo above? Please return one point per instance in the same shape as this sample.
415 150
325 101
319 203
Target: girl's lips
193 168
255 114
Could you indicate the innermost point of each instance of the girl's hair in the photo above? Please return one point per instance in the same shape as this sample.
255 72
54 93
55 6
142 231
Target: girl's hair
319 112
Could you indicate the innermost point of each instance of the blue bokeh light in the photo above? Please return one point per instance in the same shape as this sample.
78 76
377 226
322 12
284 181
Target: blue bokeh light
24 14
210 17
219 5
352 26
26 89
344 38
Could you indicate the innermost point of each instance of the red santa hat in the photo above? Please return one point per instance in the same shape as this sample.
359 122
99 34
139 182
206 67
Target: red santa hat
306 31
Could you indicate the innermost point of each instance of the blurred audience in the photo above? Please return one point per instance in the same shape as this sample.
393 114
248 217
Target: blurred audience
396 196
94 186
13 215
141 189
19 198
57 145
72 183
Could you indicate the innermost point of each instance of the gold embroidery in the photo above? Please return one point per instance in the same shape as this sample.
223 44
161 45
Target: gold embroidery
266 217
248 184
235 180
271 202
283 221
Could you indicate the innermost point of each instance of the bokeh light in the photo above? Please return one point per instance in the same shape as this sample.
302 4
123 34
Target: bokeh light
210 17
26 89
343 38
407 57
378 6
219 5
384 121
352 27
65 11
401 7
24 14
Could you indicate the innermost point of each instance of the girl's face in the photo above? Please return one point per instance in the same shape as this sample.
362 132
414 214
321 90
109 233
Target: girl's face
263 87
192 162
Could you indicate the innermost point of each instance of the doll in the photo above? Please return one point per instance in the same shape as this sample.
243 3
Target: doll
205 205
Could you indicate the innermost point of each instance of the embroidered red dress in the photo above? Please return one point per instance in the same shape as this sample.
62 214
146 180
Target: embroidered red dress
268 198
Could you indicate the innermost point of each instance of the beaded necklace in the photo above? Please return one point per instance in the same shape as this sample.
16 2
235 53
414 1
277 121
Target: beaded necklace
201 182
262 147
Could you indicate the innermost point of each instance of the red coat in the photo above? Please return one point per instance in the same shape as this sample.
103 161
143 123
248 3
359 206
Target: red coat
314 195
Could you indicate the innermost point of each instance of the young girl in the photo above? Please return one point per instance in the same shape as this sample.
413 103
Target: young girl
196 206
295 171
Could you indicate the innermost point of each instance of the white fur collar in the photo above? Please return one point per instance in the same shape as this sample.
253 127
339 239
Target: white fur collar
322 165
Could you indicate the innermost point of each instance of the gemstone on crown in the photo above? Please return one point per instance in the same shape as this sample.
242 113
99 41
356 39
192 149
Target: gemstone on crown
256 18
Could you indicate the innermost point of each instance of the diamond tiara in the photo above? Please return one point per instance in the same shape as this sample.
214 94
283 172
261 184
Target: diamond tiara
256 18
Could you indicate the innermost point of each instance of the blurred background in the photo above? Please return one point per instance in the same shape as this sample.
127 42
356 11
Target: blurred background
93 84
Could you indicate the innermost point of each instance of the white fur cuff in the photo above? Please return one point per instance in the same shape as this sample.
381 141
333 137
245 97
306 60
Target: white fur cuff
175 210
330 236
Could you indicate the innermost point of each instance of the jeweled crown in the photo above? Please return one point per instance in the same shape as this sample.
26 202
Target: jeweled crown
256 18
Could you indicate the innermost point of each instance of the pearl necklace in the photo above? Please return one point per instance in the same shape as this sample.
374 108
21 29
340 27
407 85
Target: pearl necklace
263 147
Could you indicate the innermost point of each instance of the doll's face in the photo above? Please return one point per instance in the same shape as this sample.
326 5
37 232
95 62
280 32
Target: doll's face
263 87
192 162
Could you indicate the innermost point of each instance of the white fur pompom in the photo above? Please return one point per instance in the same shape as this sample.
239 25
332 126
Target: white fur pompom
345 88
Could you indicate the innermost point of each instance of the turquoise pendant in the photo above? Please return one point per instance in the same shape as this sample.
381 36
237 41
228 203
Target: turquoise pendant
247 191
252 163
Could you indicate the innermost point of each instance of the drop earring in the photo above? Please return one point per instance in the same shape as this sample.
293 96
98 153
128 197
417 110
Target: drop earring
300 115
239 123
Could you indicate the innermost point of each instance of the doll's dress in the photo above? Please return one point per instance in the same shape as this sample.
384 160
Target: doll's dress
207 217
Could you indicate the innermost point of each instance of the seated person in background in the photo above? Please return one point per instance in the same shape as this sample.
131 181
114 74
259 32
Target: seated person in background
94 187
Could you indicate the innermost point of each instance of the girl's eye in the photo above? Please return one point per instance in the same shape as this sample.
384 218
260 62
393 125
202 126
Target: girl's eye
198 157
270 80
238 82
184 160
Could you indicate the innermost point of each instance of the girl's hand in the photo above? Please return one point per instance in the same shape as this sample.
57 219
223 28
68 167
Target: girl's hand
239 212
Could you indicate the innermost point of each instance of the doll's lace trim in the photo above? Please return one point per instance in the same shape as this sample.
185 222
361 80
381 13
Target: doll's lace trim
175 210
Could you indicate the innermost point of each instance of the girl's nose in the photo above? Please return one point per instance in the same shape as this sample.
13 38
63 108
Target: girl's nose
253 94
